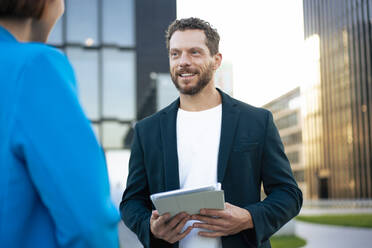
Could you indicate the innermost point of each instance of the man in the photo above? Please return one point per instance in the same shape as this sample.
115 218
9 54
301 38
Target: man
205 137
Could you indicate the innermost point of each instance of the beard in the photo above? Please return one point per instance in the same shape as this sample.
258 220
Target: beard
205 76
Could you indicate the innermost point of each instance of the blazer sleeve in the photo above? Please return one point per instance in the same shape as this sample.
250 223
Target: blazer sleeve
284 198
62 156
136 207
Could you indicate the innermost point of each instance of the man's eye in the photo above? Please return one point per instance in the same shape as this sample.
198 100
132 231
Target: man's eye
174 54
195 52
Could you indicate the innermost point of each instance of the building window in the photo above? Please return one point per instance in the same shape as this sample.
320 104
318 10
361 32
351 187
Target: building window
291 101
82 22
85 63
119 15
166 92
299 175
278 106
287 121
114 134
119 94
292 139
294 157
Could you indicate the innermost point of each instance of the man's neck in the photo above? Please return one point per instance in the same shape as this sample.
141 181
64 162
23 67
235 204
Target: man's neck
207 98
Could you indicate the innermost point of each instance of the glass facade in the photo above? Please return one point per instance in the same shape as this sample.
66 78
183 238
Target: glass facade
98 37
166 91
337 111
291 100
105 41
294 157
82 22
286 110
292 139
287 121
115 13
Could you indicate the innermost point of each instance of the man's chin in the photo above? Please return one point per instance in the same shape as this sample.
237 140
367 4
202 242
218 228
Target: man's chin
185 89
189 90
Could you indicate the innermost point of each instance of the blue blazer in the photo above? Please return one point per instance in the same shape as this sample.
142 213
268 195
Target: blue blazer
54 189
250 153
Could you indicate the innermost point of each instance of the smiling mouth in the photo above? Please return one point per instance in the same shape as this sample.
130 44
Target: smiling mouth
186 75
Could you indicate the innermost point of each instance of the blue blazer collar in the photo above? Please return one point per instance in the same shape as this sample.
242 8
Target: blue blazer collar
168 123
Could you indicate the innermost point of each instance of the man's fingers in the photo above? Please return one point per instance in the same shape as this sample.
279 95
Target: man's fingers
162 219
175 220
213 212
169 229
180 225
157 224
208 227
211 234
209 220
155 214
175 234
181 235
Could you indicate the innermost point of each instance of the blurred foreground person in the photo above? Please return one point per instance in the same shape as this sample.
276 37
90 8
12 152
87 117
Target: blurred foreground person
54 189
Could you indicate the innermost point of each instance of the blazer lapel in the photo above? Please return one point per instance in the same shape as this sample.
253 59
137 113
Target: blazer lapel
230 117
168 122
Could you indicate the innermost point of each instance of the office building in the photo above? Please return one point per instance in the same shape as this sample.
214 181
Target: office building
337 124
115 46
286 111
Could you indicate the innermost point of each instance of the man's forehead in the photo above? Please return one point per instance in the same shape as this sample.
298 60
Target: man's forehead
188 38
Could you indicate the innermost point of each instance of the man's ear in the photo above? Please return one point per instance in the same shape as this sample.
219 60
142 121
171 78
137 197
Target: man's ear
217 60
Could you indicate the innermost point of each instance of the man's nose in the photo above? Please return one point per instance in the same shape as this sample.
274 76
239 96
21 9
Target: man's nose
185 60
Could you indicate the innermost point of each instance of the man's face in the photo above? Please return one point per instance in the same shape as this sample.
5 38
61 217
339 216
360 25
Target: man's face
191 65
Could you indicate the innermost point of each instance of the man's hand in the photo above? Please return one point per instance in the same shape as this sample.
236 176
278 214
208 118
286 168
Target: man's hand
169 229
225 222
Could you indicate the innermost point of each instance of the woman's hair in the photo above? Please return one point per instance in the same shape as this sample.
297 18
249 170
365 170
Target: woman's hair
22 8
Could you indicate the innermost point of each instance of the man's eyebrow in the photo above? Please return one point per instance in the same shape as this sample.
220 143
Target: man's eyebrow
196 48
190 48
174 50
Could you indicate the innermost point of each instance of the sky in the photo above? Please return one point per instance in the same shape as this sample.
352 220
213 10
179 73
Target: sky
263 39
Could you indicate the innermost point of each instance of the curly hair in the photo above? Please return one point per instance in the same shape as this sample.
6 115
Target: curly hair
191 23
22 8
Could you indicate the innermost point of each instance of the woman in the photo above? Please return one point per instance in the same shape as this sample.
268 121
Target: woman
54 189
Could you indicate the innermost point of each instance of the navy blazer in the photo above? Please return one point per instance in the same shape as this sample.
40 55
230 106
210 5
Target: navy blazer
250 153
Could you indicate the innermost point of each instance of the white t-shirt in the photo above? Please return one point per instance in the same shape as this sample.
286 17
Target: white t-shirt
198 141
